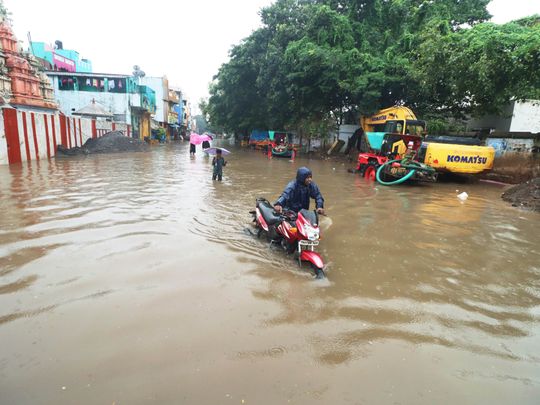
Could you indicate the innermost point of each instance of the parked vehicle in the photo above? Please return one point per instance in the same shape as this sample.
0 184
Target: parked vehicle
259 139
283 151
297 233
395 120
444 154
393 159
264 140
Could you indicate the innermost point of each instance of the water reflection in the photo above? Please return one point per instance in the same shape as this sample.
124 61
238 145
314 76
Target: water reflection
154 255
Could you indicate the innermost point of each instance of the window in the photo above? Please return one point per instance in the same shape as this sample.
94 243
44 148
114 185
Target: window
88 83
116 85
119 118
394 127
66 83
415 127
379 128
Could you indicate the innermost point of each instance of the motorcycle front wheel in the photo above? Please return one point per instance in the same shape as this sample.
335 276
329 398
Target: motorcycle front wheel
290 248
319 272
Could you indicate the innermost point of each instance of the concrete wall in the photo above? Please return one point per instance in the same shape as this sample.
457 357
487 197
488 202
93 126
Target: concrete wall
70 100
526 117
27 136
503 146
345 132
156 84
516 117
500 123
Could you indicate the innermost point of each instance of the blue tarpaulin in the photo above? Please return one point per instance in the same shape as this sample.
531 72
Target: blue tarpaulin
258 135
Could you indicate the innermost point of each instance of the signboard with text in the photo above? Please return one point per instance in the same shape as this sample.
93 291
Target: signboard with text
63 63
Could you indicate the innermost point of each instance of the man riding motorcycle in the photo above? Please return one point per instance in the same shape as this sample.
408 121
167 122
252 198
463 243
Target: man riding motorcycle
298 192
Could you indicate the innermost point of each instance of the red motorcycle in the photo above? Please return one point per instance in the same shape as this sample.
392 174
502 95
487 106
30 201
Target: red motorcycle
297 233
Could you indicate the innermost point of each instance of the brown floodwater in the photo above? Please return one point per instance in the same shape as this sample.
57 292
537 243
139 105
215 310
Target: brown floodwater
130 279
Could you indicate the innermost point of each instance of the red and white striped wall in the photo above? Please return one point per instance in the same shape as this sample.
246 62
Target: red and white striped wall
26 136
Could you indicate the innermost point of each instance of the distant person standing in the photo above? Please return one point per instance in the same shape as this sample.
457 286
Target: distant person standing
218 162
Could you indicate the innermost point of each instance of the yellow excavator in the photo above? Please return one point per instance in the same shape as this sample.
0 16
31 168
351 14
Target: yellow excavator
444 154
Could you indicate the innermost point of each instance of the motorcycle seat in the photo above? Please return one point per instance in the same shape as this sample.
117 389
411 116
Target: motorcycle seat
268 213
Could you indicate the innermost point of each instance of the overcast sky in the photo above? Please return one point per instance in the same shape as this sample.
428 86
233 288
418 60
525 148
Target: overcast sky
185 40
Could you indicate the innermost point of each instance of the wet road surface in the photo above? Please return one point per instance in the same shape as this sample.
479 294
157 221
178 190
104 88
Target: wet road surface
129 279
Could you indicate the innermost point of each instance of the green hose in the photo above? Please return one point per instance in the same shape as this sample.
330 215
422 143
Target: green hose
398 181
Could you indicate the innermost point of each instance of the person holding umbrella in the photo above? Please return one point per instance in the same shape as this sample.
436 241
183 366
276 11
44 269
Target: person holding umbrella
206 142
218 162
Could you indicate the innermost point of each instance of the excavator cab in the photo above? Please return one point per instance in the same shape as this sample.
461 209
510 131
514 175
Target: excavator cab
395 146
408 127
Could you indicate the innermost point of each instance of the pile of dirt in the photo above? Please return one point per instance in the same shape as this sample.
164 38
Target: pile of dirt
111 142
514 168
526 195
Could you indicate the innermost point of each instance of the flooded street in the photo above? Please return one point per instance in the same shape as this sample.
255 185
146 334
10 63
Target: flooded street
130 279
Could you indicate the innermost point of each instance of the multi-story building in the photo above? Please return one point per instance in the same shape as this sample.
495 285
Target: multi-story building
121 95
167 102
173 101
161 86
182 112
66 60
173 120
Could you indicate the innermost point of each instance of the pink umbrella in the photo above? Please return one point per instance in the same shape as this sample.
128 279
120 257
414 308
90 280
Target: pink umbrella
197 139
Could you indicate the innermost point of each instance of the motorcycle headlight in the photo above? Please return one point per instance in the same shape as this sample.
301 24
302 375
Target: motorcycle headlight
312 233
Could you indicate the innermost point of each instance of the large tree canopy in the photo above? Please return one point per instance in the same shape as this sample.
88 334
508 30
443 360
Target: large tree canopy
480 69
318 60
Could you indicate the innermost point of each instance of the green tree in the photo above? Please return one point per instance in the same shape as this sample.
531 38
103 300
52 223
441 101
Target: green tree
315 62
479 70
202 125
235 103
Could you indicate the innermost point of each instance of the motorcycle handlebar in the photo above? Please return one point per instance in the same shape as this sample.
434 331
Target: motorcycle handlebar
287 215
291 215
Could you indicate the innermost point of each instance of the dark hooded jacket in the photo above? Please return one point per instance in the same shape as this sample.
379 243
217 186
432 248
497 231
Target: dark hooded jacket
296 195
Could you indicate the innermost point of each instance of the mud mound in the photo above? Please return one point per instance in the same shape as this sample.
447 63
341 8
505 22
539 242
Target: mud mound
526 195
111 142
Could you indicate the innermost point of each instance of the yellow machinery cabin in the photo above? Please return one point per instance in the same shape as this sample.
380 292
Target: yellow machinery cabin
396 120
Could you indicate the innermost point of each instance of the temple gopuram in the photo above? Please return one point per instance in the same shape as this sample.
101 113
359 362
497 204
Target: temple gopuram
22 82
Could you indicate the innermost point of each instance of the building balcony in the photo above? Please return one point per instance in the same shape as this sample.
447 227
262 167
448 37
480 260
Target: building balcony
173 97
172 118
144 100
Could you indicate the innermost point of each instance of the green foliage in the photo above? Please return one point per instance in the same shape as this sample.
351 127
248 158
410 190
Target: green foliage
161 133
314 62
479 70
312 128
202 125
445 125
